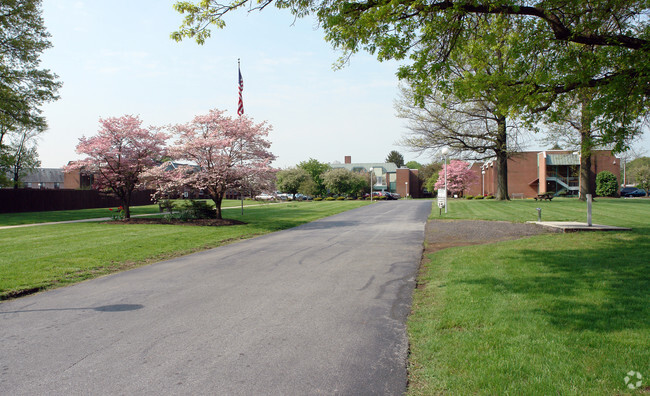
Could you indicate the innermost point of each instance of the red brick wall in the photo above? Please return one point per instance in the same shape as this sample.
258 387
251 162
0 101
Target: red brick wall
522 170
403 175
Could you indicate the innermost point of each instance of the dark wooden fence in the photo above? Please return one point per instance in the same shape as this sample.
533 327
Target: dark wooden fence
34 200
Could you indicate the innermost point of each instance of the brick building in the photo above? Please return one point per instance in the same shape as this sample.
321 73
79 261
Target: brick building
538 172
388 177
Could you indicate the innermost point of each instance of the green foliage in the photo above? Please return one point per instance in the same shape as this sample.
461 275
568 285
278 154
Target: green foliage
642 177
632 167
166 205
24 87
413 165
318 199
291 180
396 158
550 49
194 209
330 199
489 197
479 197
606 184
469 197
340 198
341 181
316 170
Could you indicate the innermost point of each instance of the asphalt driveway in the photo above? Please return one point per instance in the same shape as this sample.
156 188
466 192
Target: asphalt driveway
318 309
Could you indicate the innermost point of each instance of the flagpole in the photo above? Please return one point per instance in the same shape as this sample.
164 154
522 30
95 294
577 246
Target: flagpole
240 111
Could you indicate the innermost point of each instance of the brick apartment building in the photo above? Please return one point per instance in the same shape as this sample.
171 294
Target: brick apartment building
537 172
388 177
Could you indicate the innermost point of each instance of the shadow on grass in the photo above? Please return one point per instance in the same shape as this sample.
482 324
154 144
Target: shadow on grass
603 288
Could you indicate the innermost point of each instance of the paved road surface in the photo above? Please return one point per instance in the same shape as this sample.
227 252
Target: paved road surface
318 309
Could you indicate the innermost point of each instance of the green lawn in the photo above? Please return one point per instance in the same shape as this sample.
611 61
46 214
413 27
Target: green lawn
551 314
41 257
8 219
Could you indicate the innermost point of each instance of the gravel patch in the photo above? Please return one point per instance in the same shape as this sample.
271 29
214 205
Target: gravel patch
441 234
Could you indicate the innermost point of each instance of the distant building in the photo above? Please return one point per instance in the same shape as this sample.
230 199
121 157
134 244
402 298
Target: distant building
388 177
537 172
44 178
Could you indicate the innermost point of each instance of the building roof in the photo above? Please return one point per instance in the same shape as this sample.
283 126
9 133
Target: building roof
388 167
562 159
44 175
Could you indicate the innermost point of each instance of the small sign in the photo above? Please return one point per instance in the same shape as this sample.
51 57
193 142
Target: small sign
442 198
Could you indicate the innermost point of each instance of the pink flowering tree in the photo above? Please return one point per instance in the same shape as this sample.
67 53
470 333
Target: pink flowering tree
119 154
459 177
225 154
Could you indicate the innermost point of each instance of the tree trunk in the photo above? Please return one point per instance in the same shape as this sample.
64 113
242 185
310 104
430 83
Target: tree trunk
127 204
586 147
217 198
502 160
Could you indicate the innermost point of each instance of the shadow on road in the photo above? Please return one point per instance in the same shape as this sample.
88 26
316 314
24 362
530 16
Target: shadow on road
105 308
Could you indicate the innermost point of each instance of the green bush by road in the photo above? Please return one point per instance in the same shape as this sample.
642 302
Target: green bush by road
551 314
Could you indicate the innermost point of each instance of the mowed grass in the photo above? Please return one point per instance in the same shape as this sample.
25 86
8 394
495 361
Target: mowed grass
9 219
551 314
42 257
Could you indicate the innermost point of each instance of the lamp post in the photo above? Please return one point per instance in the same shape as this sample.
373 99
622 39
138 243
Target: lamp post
371 170
407 189
444 152
483 188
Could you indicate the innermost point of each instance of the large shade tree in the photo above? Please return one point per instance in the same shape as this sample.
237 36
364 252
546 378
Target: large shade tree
316 169
341 181
20 157
24 85
119 154
292 180
222 154
616 34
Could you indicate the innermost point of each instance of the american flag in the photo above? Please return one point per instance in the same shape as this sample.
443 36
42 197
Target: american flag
240 107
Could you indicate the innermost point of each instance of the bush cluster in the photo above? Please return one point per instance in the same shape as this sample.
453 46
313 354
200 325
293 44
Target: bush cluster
193 210
469 196
490 197
479 197
318 199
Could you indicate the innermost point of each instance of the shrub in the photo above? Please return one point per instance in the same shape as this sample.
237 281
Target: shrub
166 205
469 196
490 197
340 199
197 210
479 197
606 184
330 199
318 199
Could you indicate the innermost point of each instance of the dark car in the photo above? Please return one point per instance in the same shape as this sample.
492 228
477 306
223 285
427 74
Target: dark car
627 190
632 192
637 193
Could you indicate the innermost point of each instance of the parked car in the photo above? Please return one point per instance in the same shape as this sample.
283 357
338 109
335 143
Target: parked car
632 192
627 190
264 197
637 193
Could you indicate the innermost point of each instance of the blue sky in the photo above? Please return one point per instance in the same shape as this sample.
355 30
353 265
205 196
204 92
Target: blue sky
116 57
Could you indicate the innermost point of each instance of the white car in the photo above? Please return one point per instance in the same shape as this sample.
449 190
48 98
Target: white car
264 197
